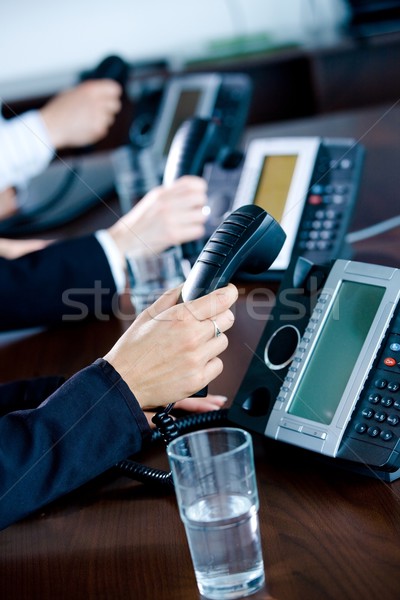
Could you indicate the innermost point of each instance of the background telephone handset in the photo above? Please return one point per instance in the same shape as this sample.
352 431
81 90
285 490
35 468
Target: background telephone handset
111 67
196 143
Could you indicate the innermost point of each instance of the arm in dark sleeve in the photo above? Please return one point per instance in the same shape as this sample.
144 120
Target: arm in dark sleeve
27 393
84 428
66 281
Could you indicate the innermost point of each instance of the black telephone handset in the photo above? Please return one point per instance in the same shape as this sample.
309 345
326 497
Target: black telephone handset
112 67
249 239
196 142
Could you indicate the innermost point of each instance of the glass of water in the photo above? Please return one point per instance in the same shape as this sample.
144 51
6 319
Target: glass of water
214 476
151 274
125 177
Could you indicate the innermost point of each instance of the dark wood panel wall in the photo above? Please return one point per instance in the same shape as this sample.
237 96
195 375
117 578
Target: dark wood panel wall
296 82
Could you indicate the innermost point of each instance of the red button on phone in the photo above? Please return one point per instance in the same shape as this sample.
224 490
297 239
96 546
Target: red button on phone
314 199
389 361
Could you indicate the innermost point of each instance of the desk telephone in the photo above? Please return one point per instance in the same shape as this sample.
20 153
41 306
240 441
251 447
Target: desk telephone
309 184
326 373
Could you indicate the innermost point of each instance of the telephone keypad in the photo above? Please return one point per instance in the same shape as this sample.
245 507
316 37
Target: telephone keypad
384 384
330 200
386 379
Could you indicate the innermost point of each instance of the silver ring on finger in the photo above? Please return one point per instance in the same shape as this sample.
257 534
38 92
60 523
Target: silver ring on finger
217 331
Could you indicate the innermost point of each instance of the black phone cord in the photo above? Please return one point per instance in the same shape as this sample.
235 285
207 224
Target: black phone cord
168 429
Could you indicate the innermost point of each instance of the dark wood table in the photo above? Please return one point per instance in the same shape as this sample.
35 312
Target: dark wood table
326 533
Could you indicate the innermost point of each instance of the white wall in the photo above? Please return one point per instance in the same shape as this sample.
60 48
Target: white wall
43 41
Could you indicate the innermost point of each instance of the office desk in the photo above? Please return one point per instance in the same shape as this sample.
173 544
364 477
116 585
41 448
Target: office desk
326 533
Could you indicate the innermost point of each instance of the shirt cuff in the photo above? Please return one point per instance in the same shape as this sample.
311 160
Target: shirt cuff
113 256
27 148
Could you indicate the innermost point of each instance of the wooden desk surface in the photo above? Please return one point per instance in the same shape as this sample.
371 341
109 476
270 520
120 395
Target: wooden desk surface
326 533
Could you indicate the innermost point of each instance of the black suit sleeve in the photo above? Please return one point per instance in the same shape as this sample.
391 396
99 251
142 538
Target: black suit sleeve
27 393
66 281
85 427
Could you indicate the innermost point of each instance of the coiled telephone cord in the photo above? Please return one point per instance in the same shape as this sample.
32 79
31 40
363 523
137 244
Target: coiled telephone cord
168 429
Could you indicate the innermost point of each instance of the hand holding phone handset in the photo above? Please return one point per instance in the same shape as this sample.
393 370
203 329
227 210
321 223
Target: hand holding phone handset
249 239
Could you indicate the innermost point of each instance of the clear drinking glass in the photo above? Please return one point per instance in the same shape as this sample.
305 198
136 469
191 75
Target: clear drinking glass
214 476
125 177
150 275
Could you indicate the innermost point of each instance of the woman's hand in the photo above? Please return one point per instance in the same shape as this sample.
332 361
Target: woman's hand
171 351
165 217
196 405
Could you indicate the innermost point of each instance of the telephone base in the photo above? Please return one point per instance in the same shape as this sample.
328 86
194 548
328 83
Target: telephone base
365 471
387 476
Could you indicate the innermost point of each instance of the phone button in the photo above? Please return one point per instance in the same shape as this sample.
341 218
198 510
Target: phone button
368 413
380 383
321 435
292 425
386 401
374 398
393 386
390 362
360 427
373 431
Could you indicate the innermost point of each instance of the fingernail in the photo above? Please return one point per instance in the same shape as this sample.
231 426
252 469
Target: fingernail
222 399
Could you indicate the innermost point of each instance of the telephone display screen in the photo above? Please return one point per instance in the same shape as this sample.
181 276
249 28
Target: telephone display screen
274 183
336 351
185 109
